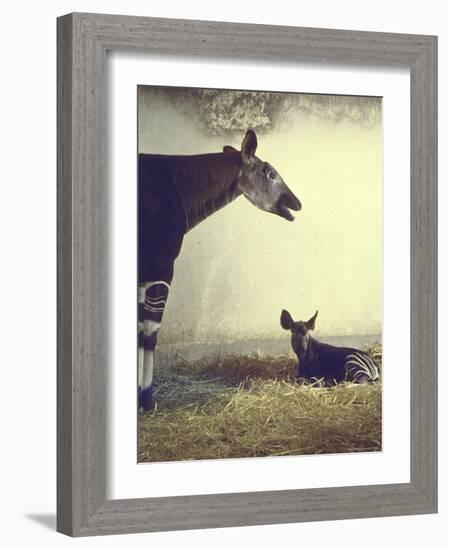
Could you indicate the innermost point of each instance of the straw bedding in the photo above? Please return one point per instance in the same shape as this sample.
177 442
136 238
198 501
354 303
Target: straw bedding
251 406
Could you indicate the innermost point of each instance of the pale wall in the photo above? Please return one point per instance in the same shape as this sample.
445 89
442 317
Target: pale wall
241 266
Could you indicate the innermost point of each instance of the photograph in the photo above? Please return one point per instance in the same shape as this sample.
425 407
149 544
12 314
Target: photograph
259 273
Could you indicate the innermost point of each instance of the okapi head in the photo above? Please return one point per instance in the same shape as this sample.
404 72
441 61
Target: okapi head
299 330
260 182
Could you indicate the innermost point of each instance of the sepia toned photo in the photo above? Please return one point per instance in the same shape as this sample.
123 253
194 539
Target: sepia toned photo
259 274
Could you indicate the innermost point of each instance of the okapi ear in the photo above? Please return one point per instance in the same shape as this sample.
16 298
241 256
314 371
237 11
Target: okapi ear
229 149
249 146
311 322
286 320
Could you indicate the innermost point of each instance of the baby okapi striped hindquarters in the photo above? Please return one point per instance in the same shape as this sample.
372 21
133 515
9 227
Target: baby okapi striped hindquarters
175 194
320 361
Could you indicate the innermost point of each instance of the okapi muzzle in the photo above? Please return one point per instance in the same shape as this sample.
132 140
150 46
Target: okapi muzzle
287 201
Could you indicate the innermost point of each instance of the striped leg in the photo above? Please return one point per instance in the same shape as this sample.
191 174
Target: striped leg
141 299
360 368
152 302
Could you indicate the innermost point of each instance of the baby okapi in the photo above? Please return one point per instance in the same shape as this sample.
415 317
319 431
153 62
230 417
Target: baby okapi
331 364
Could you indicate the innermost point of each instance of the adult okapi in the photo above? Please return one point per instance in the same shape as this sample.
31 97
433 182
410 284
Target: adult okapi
319 361
175 194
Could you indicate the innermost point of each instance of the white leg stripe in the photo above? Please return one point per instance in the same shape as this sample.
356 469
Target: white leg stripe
140 354
150 327
147 375
151 302
153 283
154 309
141 294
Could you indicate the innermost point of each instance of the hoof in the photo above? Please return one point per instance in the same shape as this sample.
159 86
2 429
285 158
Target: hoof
146 399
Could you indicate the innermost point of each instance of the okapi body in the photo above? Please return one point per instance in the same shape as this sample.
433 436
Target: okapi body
175 194
320 361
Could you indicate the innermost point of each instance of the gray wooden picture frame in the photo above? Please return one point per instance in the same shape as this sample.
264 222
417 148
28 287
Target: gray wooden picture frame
83 40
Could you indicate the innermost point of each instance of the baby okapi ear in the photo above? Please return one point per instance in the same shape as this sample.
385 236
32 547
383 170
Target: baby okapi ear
286 320
229 149
249 146
311 322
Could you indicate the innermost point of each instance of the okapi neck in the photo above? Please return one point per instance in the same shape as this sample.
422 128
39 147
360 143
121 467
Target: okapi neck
207 183
309 355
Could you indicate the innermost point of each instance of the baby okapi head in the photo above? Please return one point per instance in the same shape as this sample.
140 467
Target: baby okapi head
261 184
300 331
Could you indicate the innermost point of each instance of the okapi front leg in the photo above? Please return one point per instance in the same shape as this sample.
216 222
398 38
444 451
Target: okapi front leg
151 312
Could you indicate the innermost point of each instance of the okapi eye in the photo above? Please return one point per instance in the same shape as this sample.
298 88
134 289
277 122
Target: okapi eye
270 173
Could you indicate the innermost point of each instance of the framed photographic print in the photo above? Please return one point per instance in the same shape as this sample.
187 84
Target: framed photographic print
270 193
